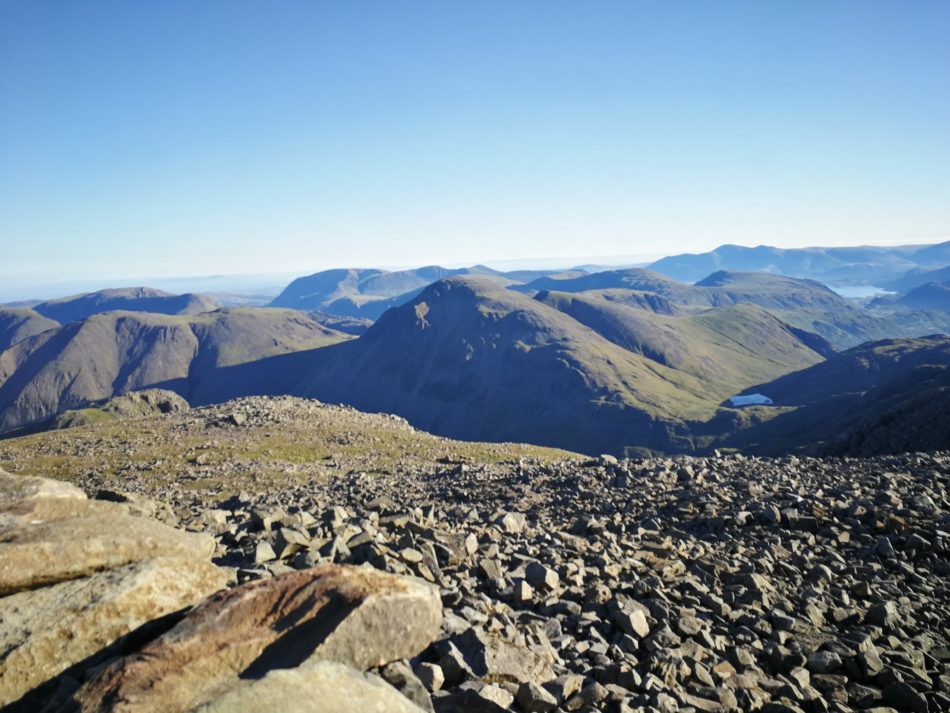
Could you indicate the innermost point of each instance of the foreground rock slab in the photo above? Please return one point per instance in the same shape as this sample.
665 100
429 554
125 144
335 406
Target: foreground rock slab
45 540
45 631
18 488
324 687
355 616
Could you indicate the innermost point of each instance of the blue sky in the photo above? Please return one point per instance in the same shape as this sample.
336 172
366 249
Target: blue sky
184 138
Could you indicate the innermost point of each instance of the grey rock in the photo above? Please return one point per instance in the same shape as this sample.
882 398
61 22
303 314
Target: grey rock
534 699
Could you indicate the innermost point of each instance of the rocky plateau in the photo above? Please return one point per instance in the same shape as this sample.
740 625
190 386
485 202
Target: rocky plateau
464 577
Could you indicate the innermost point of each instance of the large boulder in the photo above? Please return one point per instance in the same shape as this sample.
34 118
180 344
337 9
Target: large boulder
19 488
45 631
356 616
323 687
48 539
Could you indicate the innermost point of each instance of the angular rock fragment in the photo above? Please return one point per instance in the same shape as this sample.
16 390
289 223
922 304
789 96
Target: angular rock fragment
494 659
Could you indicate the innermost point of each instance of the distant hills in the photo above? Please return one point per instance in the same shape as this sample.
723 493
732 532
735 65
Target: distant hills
468 358
932 296
864 265
917 278
108 354
133 299
620 361
805 304
369 293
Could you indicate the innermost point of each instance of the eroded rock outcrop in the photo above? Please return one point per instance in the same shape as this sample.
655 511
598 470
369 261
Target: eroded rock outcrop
44 540
356 616
76 575
95 617
46 630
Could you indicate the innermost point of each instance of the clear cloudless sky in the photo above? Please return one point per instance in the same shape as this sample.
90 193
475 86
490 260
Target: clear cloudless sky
189 137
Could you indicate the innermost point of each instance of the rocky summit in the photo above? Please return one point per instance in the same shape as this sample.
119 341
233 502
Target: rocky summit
540 582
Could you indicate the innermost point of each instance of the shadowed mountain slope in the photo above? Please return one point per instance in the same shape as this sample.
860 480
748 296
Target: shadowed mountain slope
116 352
882 397
130 299
348 325
470 359
17 324
932 296
917 278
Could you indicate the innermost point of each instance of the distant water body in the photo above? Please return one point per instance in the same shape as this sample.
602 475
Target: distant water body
859 291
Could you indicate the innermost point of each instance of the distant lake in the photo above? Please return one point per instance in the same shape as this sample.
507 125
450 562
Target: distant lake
860 291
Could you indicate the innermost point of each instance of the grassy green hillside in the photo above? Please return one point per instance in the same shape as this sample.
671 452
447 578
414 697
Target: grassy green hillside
727 348
280 443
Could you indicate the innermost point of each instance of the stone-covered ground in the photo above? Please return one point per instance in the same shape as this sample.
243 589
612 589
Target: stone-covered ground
570 584
724 583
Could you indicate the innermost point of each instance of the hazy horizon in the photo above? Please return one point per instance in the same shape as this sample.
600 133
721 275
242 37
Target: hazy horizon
27 287
232 138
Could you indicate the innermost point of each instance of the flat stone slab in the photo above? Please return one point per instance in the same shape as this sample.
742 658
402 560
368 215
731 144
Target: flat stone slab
324 687
50 539
14 488
357 616
45 631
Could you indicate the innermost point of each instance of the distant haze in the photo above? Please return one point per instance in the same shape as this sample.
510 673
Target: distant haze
174 139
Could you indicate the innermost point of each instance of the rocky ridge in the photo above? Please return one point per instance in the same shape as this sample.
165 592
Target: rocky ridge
95 615
689 584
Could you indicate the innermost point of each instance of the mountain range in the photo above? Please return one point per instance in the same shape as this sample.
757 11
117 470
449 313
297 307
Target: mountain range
111 353
132 299
470 359
616 361
863 265
369 293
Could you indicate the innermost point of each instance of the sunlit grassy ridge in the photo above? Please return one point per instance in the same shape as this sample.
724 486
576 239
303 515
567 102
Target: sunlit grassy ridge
280 441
